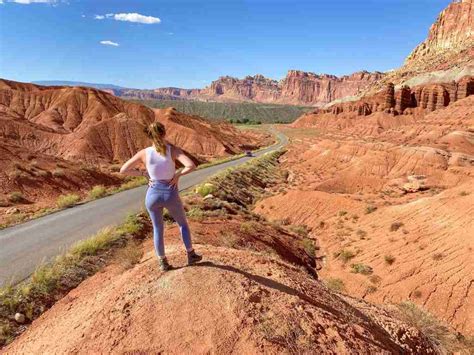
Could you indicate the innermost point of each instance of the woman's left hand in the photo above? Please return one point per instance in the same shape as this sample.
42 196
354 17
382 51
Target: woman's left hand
174 181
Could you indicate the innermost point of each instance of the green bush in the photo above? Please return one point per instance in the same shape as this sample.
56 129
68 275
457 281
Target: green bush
361 269
206 189
69 200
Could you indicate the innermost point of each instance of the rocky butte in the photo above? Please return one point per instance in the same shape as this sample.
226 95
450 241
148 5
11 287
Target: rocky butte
297 88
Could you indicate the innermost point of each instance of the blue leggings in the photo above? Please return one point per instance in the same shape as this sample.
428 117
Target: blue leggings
160 195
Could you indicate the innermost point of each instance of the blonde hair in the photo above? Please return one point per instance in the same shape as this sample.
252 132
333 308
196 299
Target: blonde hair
156 132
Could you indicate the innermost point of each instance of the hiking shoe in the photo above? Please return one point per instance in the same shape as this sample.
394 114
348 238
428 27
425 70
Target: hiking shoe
193 257
164 265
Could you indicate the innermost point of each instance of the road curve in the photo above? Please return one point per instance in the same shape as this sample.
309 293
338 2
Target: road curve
24 246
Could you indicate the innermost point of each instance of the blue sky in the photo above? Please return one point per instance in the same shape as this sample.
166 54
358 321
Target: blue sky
189 43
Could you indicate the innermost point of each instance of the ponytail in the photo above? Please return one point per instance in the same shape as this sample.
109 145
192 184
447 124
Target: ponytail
156 132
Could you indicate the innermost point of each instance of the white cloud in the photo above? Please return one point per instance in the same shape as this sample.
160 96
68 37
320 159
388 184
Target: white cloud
129 17
109 43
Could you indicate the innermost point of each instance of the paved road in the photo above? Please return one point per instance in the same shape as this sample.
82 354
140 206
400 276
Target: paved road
24 246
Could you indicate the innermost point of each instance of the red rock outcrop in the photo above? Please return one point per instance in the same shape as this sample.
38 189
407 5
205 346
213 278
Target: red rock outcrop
453 31
428 97
297 88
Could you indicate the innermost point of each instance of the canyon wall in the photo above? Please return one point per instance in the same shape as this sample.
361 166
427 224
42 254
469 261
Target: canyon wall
297 88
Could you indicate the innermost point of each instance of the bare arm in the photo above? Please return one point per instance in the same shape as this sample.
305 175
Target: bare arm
131 167
185 160
187 163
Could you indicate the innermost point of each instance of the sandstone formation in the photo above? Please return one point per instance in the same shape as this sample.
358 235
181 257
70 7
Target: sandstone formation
297 88
429 97
453 32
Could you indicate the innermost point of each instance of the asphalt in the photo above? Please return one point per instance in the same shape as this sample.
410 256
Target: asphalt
25 246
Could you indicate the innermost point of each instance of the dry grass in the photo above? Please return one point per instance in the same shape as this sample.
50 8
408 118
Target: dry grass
309 247
345 255
361 269
51 281
438 334
335 284
65 201
16 197
97 191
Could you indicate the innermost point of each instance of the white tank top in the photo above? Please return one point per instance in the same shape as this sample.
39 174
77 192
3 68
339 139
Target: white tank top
160 167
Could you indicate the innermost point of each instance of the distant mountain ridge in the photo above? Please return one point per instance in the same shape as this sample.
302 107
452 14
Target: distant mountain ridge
77 83
296 88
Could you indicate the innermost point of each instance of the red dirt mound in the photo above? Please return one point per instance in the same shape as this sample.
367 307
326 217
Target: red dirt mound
55 140
93 126
235 302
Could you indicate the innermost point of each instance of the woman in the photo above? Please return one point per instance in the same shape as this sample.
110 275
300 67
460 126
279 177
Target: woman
159 160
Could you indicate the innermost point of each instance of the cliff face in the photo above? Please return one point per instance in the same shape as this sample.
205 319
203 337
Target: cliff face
297 88
309 88
452 32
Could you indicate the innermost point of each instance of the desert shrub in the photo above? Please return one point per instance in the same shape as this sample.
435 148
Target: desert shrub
369 209
309 247
361 233
389 259
206 189
438 256
438 334
342 213
300 230
396 226
371 289
97 191
248 227
196 213
16 197
361 269
463 193
69 200
335 284
58 173
345 255
417 294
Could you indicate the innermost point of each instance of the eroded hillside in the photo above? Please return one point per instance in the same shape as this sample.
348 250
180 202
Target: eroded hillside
256 291
390 199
